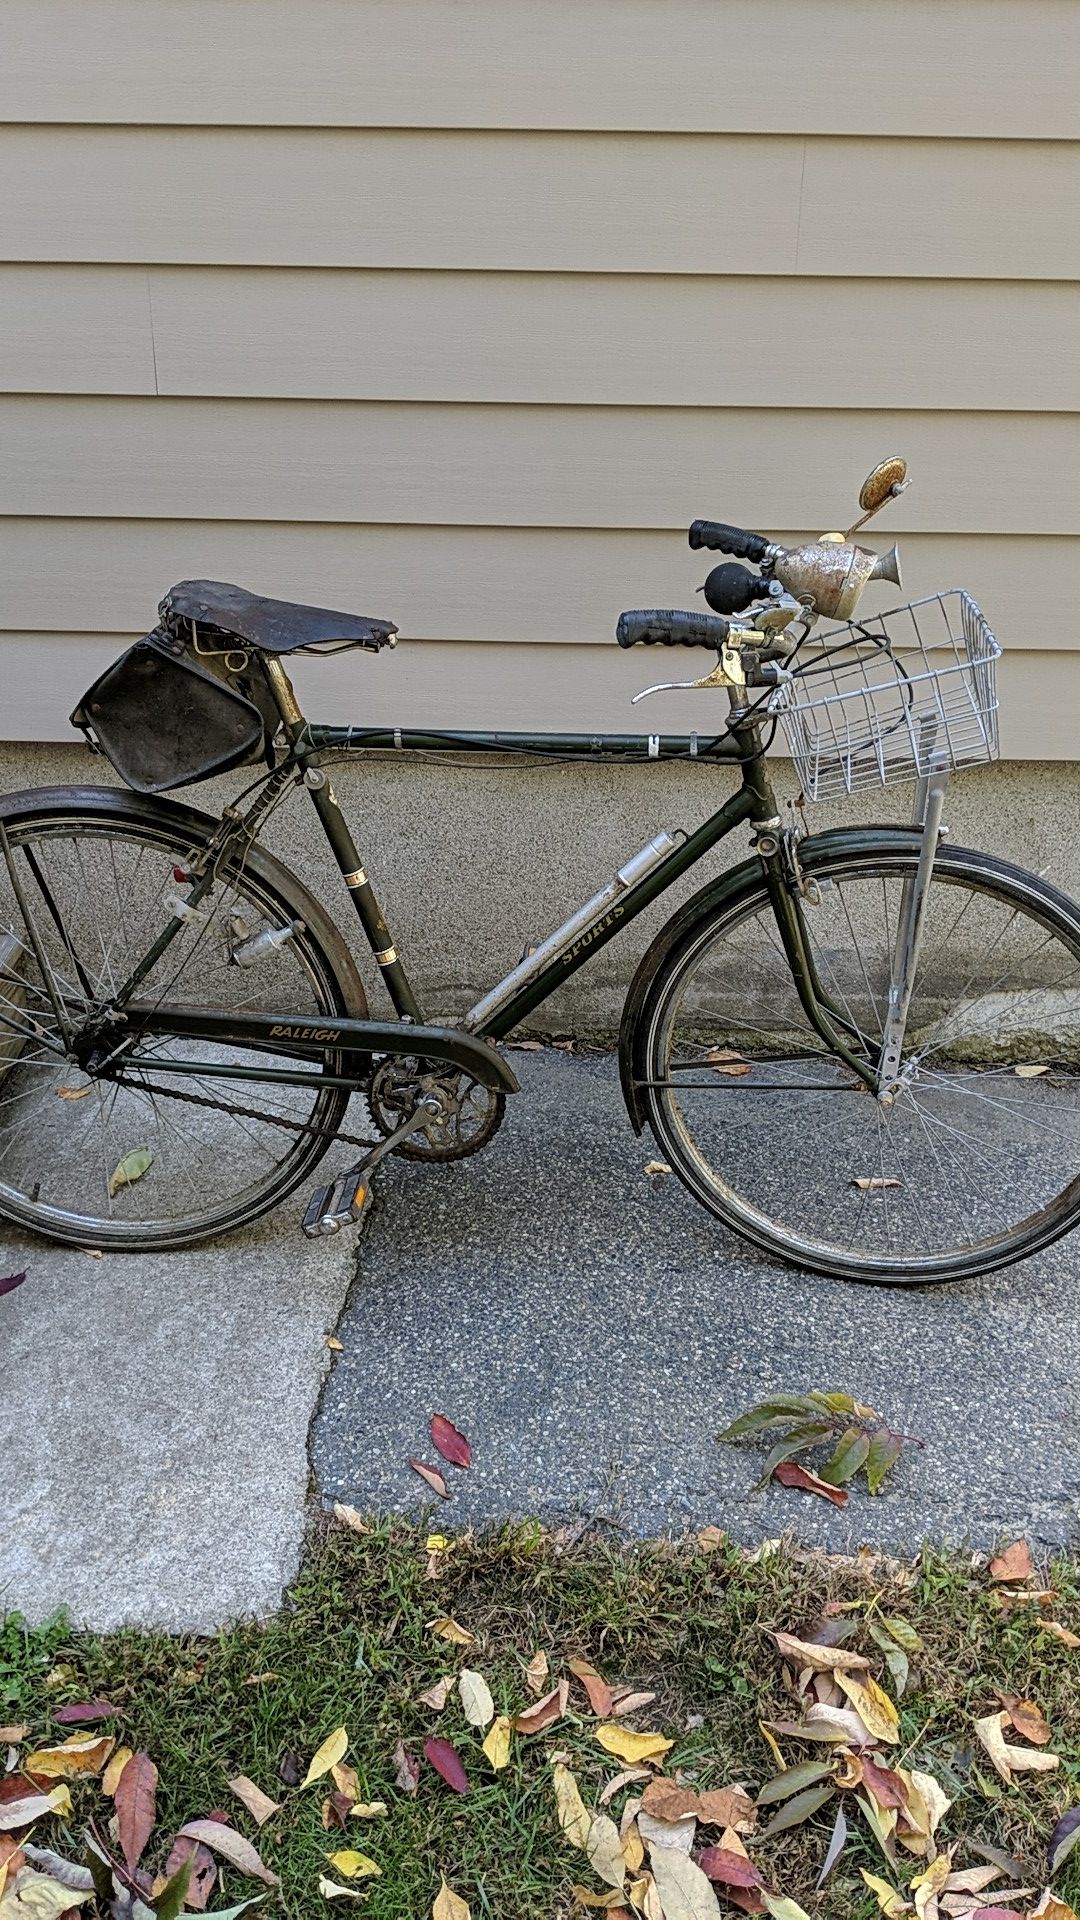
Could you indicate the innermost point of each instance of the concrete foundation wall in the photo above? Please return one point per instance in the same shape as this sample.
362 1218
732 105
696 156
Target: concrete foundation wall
471 861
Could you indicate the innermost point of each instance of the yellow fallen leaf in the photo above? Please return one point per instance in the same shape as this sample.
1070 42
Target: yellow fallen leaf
806 1653
603 1849
1009 1760
1064 1634
586 1898
1029 1073
926 1886
369 1810
497 1743
131 1168
436 1543
448 1629
476 1701
350 1518
334 1343
627 1745
892 1904
574 1816
331 1891
633 1848
449 1905
355 1866
872 1704
346 1780
935 1801
782 1908
114 1769
37 1896
657 1166
83 1753
333 1749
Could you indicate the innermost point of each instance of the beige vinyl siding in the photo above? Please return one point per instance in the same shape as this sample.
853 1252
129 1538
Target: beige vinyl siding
529 466
945 67
457 311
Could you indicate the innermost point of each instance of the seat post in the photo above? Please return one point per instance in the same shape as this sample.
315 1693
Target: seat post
342 844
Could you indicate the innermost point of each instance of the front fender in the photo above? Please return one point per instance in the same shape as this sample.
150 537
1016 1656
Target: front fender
726 890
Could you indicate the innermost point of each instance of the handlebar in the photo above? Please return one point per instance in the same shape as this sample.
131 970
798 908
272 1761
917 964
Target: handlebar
721 538
651 627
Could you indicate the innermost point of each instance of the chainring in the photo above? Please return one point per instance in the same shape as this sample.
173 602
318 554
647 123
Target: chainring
468 1115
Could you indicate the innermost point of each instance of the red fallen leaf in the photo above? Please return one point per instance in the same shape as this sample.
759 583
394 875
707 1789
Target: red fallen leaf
600 1697
747 1899
203 1870
84 1712
1014 1564
336 1809
432 1476
790 1474
135 1801
544 1713
446 1440
10 1281
447 1762
886 1786
406 1769
727 1868
996 1913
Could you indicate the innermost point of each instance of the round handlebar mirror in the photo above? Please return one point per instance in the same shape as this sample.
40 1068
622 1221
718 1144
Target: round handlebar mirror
886 479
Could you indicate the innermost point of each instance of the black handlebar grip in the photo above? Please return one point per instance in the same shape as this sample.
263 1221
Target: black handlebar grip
731 588
659 627
724 539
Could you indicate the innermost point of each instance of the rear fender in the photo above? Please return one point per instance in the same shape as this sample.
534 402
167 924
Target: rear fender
729 888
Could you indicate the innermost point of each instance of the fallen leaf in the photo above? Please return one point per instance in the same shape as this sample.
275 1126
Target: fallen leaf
497 1744
290 1768
630 1746
448 1629
333 1749
261 1680
657 1166
1065 1837
972 1879
782 1908
872 1705
724 1060
597 1689
350 1518
84 1713
131 1168
603 1849
476 1701
574 1816
926 1886
710 1538
630 1778
793 1780
406 1769
888 1787
545 1712
536 1673
1051 1908
437 1696
446 1761
80 1093
728 1869
369 1810
346 1780
37 1896
331 1891
335 1810
624 1702
1029 1073
334 1344
874 1183
823 1659
136 1802
1027 1718
83 1753
232 1846
450 1905
447 1440
1064 1634
679 1834
259 1804
727 1807
835 1848
24 1811
117 1762
202 1871
355 1866
790 1474
1014 1564
10 1281
892 1904
432 1475
802 1806
685 1893
1011 1760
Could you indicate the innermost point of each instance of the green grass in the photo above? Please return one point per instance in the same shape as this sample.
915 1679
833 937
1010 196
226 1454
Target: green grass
352 1646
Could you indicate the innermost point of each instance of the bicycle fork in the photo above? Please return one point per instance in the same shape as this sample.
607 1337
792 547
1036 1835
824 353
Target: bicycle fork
929 802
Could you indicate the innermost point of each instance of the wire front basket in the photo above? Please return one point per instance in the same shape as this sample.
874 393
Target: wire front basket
902 693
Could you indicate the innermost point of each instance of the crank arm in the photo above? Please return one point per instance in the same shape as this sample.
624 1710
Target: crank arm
343 1201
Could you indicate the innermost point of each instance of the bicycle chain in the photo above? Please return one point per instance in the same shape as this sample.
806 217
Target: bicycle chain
250 1113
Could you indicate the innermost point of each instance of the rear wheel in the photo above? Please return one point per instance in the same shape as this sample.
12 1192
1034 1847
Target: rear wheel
98 1162
976 1163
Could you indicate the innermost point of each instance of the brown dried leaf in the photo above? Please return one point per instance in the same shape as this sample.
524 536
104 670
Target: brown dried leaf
259 1804
536 1673
790 1474
1010 1760
346 1780
437 1696
603 1849
406 1769
432 1475
625 1703
223 1839
83 1753
448 1629
657 1166
350 1518
874 1183
1014 1564
667 1833
599 1692
1064 1634
545 1712
710 1538
1027 1718
203 1871
632 1777
823 1659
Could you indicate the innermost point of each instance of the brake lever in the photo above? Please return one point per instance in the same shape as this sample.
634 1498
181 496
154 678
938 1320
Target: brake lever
728 672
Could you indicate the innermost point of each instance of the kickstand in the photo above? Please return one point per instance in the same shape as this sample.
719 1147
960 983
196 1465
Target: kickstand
343 1201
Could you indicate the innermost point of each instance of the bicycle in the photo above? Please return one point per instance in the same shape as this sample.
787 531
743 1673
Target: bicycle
182 1025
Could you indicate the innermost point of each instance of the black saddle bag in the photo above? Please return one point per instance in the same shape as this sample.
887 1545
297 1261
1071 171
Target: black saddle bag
180 705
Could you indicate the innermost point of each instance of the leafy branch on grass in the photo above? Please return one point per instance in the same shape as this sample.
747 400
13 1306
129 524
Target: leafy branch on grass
858 1439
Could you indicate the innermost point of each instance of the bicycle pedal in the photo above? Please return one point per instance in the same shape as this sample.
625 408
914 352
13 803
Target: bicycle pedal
340 1204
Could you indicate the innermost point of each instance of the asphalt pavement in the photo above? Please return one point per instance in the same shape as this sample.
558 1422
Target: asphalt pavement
591 1329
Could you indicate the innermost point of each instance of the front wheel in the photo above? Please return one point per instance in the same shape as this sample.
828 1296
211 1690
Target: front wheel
977 1161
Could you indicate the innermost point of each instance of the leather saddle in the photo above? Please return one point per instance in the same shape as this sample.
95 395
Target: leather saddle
277 626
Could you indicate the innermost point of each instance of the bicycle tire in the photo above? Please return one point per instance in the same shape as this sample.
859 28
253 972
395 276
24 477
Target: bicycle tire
713 915
152 832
